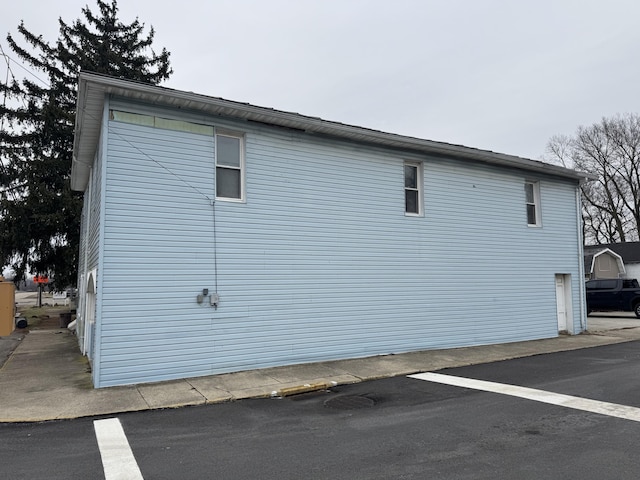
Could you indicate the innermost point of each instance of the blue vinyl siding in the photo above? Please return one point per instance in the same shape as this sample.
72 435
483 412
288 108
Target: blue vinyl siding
320 262
90 238
94 226
82 268
158 254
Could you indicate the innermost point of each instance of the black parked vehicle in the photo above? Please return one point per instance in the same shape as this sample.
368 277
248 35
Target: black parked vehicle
613 294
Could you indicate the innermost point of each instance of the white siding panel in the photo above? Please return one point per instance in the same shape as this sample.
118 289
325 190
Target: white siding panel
633 270
320 263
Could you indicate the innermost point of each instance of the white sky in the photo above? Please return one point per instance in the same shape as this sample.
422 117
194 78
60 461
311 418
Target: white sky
499 75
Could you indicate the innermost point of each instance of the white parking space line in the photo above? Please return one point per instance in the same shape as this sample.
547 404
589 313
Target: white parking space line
585 404
117 458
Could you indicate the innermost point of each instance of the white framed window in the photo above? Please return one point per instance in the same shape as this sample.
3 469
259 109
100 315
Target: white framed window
532 195
413 195
230 167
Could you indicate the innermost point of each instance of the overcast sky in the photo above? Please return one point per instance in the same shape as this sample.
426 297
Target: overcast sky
499 75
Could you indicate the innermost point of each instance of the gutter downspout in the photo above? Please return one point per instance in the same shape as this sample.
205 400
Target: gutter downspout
581 285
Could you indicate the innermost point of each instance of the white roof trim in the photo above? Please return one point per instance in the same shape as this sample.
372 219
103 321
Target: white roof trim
93 90
619 260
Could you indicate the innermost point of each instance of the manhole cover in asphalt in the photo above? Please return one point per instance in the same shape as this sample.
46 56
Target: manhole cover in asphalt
349 402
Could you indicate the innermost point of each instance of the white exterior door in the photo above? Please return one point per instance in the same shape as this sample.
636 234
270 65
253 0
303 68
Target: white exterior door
561 303
89 316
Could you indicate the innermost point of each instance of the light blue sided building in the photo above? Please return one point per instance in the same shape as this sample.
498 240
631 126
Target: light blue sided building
219 236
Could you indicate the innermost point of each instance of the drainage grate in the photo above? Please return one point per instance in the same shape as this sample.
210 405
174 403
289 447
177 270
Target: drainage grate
349 402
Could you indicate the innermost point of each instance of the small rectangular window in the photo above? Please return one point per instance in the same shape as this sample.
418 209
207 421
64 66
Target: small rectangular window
532 194
230 167
412 189
608 284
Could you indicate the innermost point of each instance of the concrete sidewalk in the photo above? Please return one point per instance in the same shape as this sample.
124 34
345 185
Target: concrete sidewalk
46 377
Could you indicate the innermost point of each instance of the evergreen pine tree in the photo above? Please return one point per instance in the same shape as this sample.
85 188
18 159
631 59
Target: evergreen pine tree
39 214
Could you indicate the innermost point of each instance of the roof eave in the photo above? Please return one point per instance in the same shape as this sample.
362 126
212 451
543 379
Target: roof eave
95 86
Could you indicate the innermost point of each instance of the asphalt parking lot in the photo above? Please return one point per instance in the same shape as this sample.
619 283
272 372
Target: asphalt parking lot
398 427
416 429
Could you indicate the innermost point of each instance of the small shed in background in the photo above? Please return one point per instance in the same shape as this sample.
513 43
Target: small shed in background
612 260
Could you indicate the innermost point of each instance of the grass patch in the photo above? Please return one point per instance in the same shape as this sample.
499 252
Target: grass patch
35 315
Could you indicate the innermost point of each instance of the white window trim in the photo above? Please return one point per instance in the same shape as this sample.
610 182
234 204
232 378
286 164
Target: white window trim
241 137
536 203
420 185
